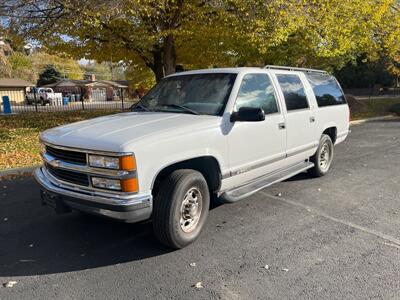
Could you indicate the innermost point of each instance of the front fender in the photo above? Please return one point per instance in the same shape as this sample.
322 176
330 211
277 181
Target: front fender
152 158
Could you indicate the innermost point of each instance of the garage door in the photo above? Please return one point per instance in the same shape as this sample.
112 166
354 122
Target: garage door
99 94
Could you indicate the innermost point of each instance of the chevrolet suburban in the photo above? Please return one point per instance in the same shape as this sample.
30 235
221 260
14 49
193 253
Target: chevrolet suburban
196 136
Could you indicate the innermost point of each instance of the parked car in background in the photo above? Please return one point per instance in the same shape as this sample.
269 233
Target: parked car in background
195 136
43 96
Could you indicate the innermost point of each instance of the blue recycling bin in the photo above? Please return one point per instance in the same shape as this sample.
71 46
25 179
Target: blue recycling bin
6 105
65 100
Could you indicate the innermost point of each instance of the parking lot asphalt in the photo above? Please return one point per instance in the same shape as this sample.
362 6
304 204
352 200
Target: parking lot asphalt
335 237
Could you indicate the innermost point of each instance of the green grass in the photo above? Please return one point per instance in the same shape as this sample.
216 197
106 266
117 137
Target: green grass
19 134
373 108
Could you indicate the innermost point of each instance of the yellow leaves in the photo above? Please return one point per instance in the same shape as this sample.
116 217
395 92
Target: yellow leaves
318 33
19 134
324 31
63 64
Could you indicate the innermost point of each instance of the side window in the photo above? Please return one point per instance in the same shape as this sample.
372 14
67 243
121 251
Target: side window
257 91
326 89
293 91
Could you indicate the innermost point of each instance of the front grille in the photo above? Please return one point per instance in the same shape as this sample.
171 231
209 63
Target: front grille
69 176
67 155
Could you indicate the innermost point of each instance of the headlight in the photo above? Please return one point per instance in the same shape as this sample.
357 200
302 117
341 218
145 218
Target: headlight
104 183
122 163
125 185
104 162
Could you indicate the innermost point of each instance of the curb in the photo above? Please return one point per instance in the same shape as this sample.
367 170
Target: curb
361 121
17 172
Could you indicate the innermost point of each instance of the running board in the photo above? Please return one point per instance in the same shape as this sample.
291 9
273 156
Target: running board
259 183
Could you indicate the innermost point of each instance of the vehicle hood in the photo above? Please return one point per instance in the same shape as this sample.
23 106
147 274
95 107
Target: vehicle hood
118 133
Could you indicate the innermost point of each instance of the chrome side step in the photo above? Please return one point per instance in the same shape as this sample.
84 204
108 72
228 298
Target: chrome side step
259 183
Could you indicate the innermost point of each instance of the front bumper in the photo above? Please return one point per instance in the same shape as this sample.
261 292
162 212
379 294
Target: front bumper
130 209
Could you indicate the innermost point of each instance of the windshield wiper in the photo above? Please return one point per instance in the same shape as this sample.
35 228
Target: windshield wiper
193 112
138 105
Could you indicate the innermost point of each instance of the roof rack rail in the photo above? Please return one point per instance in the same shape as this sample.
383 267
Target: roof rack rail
295 69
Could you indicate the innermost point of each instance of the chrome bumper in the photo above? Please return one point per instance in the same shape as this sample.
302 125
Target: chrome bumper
132 208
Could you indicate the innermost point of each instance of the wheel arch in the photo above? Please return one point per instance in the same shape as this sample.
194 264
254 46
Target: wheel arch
331 131
207 165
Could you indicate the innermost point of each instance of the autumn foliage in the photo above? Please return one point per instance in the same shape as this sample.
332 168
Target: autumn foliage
158 35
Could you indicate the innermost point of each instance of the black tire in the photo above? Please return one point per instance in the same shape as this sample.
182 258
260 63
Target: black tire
168 205
321 162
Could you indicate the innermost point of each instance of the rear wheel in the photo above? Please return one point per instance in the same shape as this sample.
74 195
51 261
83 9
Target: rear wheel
322 159
181 208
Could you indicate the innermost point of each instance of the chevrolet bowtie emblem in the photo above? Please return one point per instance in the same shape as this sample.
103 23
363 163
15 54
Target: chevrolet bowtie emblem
56 163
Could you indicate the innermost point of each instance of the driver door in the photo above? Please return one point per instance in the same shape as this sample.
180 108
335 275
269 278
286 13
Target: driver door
256 148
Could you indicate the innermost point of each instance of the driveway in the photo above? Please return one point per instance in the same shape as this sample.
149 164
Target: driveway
334 237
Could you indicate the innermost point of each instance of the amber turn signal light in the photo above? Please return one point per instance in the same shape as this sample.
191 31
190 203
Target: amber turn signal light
130 185
127 162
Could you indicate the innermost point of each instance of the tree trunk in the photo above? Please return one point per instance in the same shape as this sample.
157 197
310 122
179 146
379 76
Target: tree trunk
157 66
164 59
169 55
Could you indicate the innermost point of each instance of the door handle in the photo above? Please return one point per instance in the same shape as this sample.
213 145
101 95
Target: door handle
312 119
281 125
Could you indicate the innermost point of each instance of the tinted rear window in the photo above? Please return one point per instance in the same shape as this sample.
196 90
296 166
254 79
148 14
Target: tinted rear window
293 91
326 89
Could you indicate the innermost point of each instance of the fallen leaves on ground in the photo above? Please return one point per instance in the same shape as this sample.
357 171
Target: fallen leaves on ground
198 285
19 134
9 284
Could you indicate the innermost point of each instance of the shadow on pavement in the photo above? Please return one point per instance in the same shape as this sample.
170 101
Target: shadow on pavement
299 177
34 240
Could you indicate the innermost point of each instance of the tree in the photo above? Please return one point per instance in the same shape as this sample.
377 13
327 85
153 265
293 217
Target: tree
198 33
5 66
68 67
22 67
365 74
101 70
140 75
136 31
49 75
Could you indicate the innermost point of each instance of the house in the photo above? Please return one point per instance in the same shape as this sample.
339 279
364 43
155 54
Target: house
15 89
131 92
91 90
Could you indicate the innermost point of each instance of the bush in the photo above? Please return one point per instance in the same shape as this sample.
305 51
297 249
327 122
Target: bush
395 108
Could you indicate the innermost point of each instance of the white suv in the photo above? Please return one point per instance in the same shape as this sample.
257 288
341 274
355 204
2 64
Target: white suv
196 136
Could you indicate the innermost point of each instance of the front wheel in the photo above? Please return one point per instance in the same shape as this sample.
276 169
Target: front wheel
322 159
181 208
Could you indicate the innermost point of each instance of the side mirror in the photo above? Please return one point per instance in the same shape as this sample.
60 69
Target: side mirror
248 114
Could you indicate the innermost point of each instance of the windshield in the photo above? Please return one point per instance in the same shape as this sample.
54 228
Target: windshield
195 94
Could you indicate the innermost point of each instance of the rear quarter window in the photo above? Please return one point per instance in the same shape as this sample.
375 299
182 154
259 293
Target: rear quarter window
326 89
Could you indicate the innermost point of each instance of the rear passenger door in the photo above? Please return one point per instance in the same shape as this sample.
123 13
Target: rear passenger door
299 114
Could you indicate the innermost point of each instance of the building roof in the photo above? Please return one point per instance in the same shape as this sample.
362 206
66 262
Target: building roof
14 82
123 82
